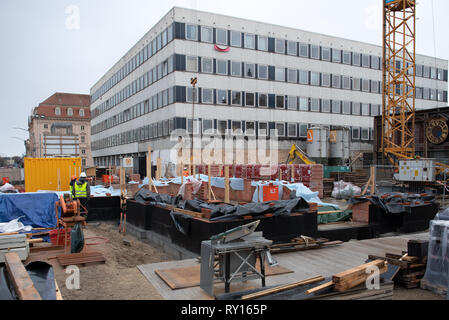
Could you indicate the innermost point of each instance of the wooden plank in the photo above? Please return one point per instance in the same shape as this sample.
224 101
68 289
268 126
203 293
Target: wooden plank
58 292
209 187
343 276
23 285
188 277
187 212
321 287
354 281
31 241
159 169
8 233
227 190
149 166
46 248
329 212
282 288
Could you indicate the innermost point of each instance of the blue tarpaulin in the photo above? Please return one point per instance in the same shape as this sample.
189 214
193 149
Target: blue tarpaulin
36 209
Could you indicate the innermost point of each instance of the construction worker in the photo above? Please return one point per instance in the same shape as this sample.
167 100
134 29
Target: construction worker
185 172
81 191
72 183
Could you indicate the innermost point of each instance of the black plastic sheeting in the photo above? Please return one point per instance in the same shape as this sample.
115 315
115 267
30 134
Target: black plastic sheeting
77 239
220 212
394 202
42 275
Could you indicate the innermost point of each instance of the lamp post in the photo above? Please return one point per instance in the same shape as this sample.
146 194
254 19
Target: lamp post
193 82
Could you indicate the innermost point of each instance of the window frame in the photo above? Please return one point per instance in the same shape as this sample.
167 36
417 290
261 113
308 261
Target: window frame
245 44
246 70
295 53
260 95
217 68
211 64
232 44
217 36
292 98
203 90
258 71
196 62
204 28
277 100
246 99
219 101
276 47
195 27
265 40
232 98
235 63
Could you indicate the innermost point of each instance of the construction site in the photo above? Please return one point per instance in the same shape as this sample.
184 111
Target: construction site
213 201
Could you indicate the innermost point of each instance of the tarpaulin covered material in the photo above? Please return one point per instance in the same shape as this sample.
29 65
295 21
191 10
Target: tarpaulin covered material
332 217
42 275
36 209
226 211
144 195
298 189
396 202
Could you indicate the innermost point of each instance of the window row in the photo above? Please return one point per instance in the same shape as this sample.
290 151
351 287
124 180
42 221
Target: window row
155 74
299 49
237 98
273 101
147 52
219 127
266 72
155 102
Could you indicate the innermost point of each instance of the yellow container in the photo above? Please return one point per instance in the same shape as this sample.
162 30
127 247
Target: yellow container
50 173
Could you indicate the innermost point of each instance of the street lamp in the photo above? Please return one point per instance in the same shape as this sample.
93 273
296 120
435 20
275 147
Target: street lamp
193 82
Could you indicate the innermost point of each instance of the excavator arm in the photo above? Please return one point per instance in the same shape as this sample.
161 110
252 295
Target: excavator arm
297 152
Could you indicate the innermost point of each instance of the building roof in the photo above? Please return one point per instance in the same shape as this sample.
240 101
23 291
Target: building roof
68 99
64 101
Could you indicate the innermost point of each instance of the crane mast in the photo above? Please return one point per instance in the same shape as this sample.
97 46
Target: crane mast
398 105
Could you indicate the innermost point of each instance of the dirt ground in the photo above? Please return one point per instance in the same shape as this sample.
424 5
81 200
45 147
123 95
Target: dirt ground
118 278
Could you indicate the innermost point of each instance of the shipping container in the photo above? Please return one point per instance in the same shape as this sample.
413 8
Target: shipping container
51 174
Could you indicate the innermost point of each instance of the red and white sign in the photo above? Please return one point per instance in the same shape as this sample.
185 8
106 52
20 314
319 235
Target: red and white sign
222 49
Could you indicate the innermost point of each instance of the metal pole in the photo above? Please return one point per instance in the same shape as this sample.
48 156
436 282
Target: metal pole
444 189
193 121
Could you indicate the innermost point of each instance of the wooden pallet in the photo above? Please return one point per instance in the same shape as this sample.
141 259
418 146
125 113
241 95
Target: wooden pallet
412 269
82 258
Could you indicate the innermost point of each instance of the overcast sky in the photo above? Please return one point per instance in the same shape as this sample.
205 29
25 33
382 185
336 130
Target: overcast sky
43 51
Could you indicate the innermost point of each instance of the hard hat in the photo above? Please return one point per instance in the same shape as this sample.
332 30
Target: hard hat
83 175
73 177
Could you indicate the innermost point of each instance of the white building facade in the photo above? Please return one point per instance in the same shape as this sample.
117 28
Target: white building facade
253 78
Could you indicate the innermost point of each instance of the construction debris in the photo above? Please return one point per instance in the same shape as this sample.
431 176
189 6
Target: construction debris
302 243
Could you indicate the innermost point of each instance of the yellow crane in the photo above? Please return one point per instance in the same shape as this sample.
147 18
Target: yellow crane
297 152
399 72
